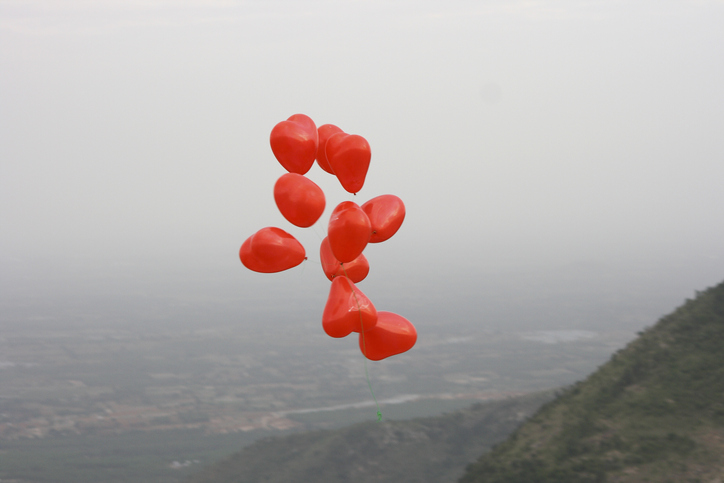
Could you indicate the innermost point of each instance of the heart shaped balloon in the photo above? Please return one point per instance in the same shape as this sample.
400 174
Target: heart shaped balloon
294 143
299 199
391 335
349 231
347 310
356 270
386 214
349 157
271 250
323 133
304 120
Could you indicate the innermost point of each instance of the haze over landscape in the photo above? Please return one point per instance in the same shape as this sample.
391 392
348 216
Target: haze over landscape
561 163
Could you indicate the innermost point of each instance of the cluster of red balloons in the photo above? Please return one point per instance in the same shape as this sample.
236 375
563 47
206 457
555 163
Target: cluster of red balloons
297 143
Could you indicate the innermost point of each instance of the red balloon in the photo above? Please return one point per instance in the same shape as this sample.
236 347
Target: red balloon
349 231
324 132
356 270
349 156
348 310
392 335
294 143
386 214
304 120
271 250
299 199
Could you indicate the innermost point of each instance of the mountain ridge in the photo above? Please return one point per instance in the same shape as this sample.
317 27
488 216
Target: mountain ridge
654 412
423 449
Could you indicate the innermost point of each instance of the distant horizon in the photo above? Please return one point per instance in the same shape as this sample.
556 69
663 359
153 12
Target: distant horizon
587 294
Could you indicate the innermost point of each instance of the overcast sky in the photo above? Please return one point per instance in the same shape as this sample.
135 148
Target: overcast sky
518 133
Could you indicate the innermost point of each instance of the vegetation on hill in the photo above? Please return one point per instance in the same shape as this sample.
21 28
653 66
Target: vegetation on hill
425 449
654 412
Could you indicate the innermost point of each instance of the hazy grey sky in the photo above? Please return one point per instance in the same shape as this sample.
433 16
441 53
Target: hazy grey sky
135 133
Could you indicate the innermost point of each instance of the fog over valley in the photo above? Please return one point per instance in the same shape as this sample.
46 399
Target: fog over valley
561 166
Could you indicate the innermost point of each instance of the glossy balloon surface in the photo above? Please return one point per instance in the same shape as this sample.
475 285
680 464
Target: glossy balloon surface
356 270
347 310
323 133
271 250
294 143
386 214
303 120
299 199
391 335
349 157
349 231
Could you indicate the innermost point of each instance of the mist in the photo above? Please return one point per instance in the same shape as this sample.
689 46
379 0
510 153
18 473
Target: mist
565 155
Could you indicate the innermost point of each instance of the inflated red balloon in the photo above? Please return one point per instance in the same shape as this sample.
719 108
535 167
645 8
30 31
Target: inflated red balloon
324 132
271 250
304 120
386 214
299 199
392 335
356 270
349 231
294 143
348 310
349 156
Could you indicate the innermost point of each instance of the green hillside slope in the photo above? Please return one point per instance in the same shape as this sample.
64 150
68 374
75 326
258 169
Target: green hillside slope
654 412
433 449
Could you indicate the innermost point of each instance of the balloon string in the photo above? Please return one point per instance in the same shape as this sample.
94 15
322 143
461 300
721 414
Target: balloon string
314 229
364 347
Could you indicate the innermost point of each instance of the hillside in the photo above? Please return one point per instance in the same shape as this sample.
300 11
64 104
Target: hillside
425 449
654 412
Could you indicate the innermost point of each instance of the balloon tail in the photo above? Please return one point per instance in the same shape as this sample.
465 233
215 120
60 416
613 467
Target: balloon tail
364 348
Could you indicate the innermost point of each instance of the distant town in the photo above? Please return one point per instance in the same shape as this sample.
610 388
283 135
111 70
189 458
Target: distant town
104 380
